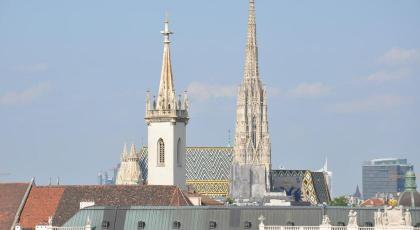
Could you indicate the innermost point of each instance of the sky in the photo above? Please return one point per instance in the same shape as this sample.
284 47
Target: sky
343 80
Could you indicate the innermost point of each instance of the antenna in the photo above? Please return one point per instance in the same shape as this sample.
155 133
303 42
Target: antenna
229 139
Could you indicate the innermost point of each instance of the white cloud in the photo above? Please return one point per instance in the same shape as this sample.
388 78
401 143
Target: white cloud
400 56
383 76
24 96
309 90
204 91
31 68
371 103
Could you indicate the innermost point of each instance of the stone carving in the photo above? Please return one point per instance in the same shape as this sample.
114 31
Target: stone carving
326 221
352 219
407 217
392 217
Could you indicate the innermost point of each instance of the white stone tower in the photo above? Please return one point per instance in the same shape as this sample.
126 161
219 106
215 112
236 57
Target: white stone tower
252 160
129 172
166 118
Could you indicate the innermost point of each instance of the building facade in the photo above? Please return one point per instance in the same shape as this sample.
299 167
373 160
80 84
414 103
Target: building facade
384 176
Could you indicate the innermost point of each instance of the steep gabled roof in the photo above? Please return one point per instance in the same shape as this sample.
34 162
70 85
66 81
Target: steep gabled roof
117 195
42 203
11 196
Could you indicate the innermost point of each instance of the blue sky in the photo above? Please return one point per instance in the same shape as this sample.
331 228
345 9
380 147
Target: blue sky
343 81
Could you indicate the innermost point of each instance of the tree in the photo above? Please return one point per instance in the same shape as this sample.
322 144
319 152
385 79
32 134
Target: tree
339 201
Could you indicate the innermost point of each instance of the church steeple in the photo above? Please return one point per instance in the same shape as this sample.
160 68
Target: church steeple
252 142
251 56
166 97
166 118
166 105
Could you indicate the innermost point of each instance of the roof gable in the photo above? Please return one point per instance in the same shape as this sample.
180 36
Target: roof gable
11 196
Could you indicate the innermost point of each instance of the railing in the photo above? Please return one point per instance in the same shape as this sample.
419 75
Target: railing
46 227
268 227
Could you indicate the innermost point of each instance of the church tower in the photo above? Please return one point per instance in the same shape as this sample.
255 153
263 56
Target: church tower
252 158
166 118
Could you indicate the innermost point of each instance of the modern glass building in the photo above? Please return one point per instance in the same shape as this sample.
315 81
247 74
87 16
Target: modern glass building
384 176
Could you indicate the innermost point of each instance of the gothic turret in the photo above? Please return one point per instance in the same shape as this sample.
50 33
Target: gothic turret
129 172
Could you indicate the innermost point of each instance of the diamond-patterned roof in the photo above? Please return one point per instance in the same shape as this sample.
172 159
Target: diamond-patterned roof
202 163
209 170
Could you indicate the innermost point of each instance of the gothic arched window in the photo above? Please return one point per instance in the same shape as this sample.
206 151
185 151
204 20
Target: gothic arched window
161 152
179 152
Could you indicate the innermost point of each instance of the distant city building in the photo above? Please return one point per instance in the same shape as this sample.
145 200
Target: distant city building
384 176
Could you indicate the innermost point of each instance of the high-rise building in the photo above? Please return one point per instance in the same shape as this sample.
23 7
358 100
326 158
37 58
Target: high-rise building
384 176
166 120
252 159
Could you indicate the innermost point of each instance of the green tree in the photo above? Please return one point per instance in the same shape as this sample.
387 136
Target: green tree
339 201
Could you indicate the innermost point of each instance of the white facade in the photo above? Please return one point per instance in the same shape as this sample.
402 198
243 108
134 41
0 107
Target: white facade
166 118
172 171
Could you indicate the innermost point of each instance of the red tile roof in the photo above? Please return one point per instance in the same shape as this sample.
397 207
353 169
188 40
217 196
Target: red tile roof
373 202
11 195
42 203
117 195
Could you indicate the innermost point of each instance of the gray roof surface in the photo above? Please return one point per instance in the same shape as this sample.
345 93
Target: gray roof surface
196 218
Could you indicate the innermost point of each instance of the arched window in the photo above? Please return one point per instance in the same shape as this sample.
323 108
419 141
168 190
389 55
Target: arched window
179 152
161 152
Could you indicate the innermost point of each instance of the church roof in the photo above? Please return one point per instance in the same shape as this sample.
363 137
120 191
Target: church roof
302 185
202 163
209 172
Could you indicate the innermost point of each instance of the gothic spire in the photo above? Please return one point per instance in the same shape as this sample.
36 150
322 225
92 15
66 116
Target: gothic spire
133 151
251 50
166 94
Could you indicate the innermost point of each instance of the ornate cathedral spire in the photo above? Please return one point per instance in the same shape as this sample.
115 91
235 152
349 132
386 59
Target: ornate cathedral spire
251 56
252 142
166 97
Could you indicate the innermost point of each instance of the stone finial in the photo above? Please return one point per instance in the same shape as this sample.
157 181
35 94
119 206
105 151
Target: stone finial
261 219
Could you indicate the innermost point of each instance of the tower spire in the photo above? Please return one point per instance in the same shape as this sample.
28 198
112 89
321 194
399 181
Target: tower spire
251 50
166 98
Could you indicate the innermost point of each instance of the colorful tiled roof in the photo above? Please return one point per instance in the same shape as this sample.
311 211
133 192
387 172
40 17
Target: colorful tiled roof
11 196
302 185
202 163
209 172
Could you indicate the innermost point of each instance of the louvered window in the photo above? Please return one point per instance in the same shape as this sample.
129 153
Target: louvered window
161 152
